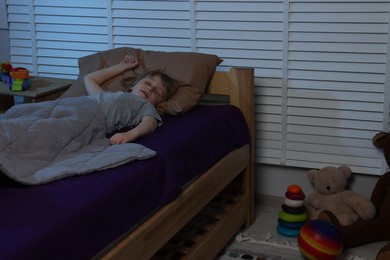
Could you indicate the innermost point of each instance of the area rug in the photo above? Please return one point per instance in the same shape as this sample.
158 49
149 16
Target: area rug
245 247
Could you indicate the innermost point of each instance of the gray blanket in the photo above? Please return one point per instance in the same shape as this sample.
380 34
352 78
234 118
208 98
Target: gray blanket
42 142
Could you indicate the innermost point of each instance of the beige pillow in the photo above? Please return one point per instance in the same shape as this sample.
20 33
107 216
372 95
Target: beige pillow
98 61
192 70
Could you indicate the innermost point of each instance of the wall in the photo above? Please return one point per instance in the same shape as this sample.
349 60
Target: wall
273 180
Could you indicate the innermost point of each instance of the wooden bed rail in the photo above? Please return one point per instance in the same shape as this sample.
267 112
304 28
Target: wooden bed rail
238 83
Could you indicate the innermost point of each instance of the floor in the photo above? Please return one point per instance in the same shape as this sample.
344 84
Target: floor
264 228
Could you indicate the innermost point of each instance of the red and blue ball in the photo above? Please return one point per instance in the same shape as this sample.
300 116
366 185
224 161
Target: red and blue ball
319 239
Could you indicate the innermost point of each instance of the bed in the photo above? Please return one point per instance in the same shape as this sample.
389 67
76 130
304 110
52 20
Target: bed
168 206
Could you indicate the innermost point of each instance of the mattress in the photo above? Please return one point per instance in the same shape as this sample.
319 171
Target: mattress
76 217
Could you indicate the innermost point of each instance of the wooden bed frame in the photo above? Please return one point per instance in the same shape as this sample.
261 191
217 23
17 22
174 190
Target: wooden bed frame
209 212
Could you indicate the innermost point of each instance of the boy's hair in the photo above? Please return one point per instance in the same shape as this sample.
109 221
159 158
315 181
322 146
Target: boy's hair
171 85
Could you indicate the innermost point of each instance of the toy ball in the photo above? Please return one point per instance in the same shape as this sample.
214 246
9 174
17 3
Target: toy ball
319 239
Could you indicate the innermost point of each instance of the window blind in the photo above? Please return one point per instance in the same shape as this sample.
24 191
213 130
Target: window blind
48 37
152 25
321 80
336 83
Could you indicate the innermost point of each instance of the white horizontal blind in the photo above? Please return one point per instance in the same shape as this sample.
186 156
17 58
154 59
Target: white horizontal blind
48 37
22 34
322 86
152 25
250 33
336 82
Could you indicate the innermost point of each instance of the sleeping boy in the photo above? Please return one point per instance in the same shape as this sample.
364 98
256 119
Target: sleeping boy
136 109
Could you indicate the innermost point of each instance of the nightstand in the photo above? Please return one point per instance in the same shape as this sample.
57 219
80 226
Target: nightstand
42 89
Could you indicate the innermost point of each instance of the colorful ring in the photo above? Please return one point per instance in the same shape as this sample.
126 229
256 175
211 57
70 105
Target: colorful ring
293 203
292 217
288 232
292 225
295 196
293 210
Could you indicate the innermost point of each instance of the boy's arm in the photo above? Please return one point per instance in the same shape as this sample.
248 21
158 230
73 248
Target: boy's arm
94 80
147 126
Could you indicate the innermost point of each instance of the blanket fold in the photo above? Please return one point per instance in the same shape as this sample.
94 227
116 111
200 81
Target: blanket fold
42 142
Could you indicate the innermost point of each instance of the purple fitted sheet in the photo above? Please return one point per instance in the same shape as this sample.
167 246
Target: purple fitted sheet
76 217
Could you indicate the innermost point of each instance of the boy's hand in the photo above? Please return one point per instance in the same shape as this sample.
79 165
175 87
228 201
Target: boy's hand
120 138
147 126
129 62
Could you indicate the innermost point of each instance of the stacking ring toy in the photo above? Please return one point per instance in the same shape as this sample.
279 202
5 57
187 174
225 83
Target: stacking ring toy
294 189
292 217
293 225
293 210
293 203
287 231
295 196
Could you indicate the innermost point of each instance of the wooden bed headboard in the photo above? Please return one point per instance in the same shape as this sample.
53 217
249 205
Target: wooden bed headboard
238 84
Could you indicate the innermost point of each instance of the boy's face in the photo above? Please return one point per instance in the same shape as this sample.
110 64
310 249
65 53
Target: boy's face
151 89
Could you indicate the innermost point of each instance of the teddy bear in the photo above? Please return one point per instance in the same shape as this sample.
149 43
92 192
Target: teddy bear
373 229
331 194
